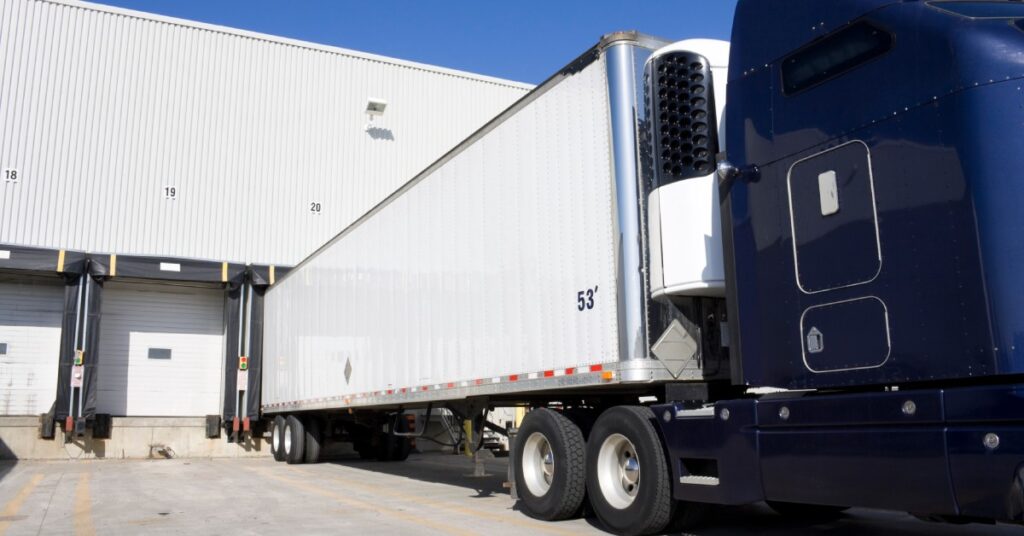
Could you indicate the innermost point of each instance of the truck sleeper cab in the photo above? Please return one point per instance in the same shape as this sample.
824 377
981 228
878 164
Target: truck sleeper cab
871 226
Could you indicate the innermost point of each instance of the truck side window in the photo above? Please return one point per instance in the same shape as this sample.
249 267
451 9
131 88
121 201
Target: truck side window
833 56
982 10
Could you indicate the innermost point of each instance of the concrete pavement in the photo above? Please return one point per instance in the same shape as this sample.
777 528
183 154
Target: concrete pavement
429 494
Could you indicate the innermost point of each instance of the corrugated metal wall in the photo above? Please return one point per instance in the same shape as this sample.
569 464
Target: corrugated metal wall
104 111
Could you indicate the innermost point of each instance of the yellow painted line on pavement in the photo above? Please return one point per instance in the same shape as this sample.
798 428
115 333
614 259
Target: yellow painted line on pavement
412 519
517 519
82 516
11 508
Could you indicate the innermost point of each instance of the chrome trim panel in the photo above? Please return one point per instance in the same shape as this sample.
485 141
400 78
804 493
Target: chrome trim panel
632 294
625 372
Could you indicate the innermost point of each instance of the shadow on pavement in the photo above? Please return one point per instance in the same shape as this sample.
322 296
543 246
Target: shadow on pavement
758 519
438 468
7 460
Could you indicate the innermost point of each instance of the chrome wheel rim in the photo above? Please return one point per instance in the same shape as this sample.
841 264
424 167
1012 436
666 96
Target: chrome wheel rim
275 438
618 471
538 464
287 439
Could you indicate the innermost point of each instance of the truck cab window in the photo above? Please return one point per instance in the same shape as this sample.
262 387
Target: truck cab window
982 10
833 56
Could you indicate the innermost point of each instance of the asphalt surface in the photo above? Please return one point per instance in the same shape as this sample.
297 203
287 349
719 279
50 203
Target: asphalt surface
429 494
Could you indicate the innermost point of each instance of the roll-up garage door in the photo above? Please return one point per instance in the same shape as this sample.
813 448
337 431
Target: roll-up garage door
161 350
30 317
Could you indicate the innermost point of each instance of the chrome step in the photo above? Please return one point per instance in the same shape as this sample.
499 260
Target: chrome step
699 480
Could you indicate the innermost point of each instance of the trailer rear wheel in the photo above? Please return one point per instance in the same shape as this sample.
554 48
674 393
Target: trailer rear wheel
312 440
294 440
627 475
549 465
277 439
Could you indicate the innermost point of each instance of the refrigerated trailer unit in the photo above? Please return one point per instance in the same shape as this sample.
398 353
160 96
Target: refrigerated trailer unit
516 266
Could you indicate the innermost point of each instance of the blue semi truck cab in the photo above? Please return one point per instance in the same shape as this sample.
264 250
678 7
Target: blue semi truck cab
871 195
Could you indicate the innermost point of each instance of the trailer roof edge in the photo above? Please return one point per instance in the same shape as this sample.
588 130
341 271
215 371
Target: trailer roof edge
576 65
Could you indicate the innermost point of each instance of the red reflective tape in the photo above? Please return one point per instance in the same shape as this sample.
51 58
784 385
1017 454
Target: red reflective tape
513 378
424 388
404 389
451 385
479 382
391 391
596 368
549 373
569 371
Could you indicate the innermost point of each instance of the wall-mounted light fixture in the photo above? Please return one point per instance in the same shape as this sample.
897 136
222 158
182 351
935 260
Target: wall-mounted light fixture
374 107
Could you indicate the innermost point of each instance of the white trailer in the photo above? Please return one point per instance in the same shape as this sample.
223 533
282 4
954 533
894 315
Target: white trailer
535 264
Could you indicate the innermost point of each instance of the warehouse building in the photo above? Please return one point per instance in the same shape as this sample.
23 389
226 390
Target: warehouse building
158 174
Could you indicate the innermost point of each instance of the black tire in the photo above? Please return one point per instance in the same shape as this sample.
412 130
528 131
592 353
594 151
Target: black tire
277 439
395 448
398 448
365 451
313 440
818 513
293 427
645 506
564 496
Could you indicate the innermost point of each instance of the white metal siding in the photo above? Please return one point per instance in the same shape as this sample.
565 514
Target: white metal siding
30 318
471 273
189 322
102 108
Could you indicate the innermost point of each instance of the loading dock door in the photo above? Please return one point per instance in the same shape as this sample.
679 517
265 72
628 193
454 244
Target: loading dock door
161 350
30 317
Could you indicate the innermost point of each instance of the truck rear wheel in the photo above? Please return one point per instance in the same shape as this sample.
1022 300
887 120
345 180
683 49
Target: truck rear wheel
549 465
294 440
277 439
627 476
312 440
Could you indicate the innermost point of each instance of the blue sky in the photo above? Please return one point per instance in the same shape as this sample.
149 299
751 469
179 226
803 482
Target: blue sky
523 40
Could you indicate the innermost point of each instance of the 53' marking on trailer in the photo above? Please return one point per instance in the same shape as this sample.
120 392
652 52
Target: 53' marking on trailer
585 299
